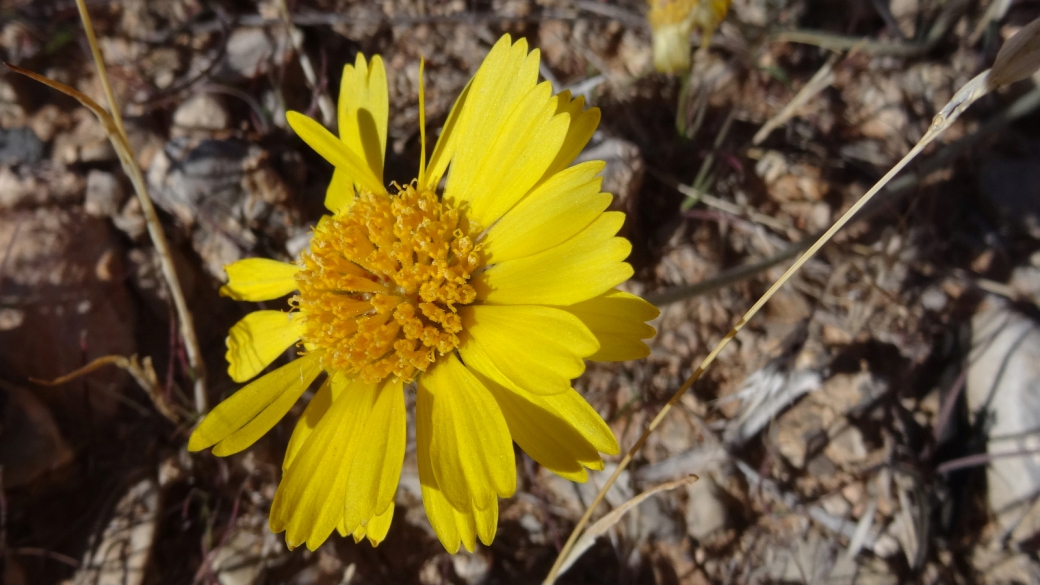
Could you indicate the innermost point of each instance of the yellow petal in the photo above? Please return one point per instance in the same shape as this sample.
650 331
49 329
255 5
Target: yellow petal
312 415
486 523
527 141
259 279
445 148
504 79
452 526
335 151
587 265
363 109
443 518
376 528
470 450
561 432
268 417
308 505
340 194
266 400
538 348
556 210
582 126
258 339
376 469
618 320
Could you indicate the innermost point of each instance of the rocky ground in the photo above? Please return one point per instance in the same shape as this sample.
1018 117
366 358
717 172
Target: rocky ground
878 423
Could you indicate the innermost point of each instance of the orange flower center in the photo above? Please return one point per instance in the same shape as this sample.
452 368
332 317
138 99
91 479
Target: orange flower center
382 282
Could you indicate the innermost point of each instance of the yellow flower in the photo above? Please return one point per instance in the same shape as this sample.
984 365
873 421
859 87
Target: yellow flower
671 22
489 296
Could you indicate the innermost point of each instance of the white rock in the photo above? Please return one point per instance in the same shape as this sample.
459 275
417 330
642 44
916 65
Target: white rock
238 561
251 52
202 112
1025 280
248 50
471 568
105 194
706 513
1003 387
846 447
126 544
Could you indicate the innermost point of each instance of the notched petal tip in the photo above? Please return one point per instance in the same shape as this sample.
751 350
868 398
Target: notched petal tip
257 340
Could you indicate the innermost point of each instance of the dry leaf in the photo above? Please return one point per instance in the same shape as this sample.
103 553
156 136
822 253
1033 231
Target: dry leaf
1019 57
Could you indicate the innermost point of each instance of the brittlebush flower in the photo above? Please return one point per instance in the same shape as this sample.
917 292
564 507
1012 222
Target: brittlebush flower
489 296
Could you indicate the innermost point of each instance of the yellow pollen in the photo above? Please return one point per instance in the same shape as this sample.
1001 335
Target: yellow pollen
383 280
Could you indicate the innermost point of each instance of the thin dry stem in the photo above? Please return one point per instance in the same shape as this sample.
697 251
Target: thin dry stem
972 91
155 230
142 372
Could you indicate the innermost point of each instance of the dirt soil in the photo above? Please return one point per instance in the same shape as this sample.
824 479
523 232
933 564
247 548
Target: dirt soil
848 435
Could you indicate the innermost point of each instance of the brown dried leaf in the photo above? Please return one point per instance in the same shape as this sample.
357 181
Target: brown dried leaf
1019 57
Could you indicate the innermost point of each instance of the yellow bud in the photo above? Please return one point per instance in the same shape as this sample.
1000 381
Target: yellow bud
671 22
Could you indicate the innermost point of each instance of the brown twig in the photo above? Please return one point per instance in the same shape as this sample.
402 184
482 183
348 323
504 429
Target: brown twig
155 230
142 372
113 124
